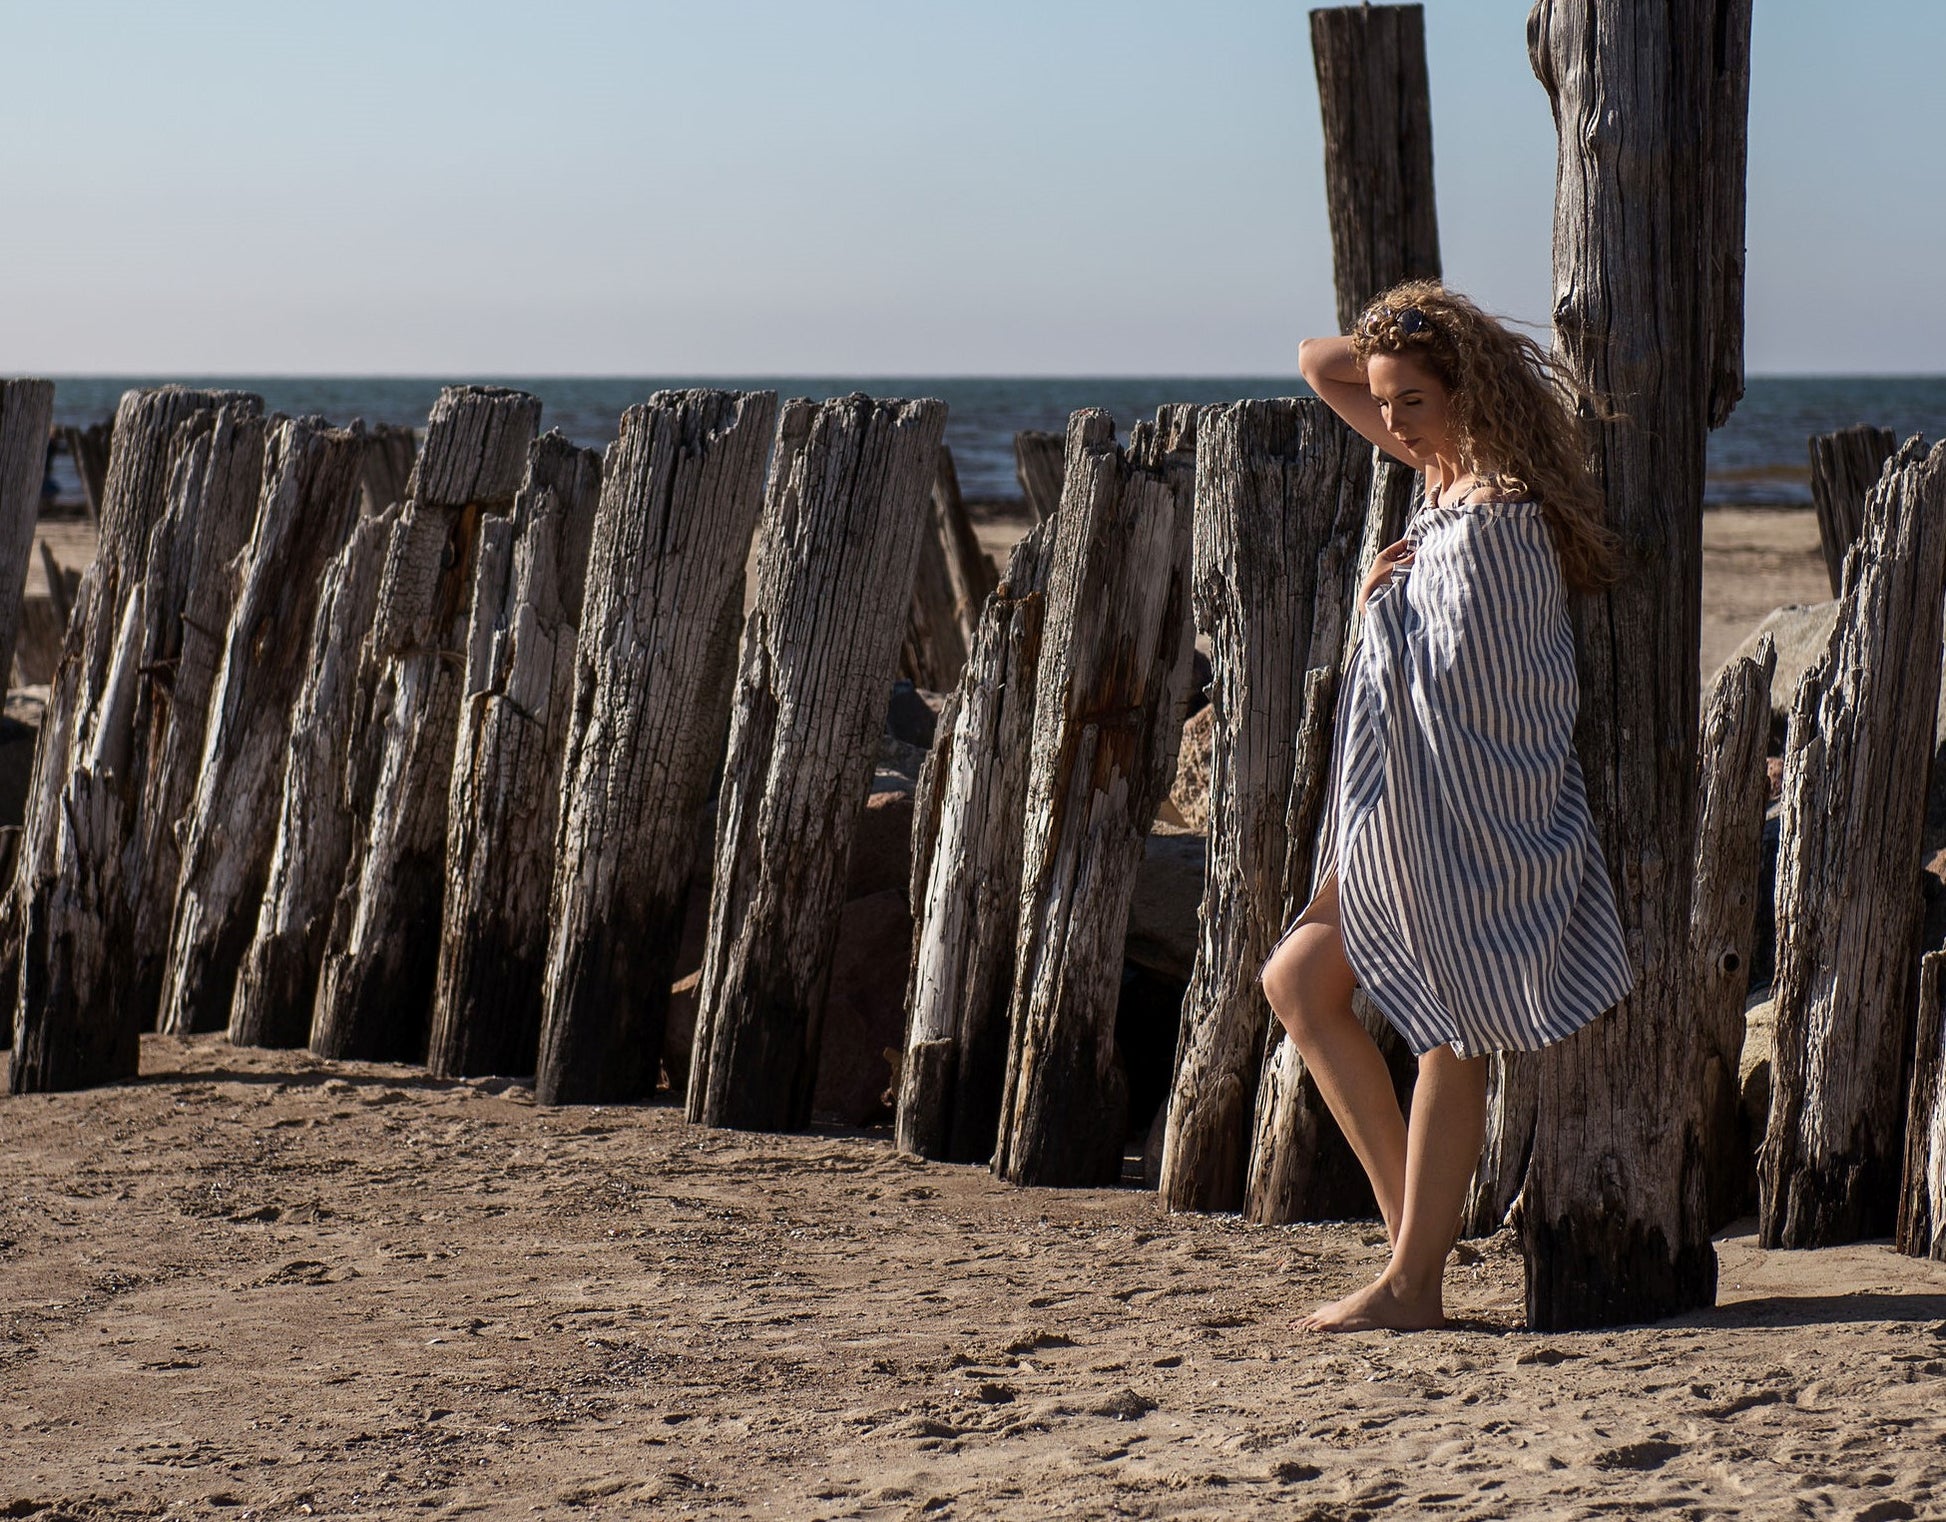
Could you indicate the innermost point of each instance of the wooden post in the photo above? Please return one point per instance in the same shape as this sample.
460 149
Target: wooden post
1512 1099
1108 712
26 409
656 667
191 587
506 787
1845 466
1271 512
1376 106
1735 789
1038 461
966 826
310 485
1848 901
386 477
89 449
1372 88
843 513
953 578
324 794
1614 1211
375 988
69 916
1922 1197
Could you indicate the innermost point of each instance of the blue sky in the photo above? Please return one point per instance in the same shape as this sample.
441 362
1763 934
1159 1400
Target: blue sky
848 187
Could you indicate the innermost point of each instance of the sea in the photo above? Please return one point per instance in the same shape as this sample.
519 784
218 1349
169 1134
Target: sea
1760 457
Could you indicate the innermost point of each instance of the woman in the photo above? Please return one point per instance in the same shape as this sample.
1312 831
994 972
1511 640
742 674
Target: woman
1466 892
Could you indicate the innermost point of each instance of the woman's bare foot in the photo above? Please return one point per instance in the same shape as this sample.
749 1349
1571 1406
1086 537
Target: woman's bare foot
1382 1303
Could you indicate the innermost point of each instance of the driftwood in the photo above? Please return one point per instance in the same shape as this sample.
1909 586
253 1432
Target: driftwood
189 595
504 801
26 406
1371 66
320 801
375 988
1848 900
843 514
1922 1197
656 664
1271 510
953 578
1734 790
967 823
1038 462
310 485
69 916
1614 1209
1109 700
89 449
1845 466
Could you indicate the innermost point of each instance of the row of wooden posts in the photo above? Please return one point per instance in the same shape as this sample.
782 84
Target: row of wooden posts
420 779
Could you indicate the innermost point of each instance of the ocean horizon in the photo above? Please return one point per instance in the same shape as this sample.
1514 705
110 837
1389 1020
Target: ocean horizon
1761 456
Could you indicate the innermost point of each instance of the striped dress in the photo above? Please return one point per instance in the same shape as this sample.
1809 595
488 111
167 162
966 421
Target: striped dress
1474 903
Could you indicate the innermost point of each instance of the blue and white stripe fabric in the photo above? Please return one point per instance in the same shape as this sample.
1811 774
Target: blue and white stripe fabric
1474 902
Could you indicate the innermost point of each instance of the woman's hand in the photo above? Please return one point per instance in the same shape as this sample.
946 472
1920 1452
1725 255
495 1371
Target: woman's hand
1388 560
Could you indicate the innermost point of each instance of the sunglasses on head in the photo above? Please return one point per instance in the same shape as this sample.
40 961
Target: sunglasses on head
1410 320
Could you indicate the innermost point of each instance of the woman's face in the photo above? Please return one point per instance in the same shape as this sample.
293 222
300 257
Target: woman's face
1413 403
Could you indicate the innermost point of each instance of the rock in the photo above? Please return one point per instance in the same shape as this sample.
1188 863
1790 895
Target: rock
1163 916
881 849
1801 630
1759 1020
912 715
864 1009
1189 794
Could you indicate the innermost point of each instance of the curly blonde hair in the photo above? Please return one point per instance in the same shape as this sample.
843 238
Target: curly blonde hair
1511 418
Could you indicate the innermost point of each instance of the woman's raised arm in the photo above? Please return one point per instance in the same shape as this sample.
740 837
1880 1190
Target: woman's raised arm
1328 368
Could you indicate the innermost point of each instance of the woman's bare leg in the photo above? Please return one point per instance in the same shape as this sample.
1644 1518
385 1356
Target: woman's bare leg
1442 1148
1309 984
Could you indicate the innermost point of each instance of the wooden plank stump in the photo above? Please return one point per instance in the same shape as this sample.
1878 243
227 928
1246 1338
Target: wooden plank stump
323 797
1922 1196
310 494
70 915
1614 1208
190 594
1301 1166
967 831
89 449
952 581
655 670
381 957
26 410
843 513
386 476
1734 791
1378 184
1512 1100
1848 900
1109 702
503 806
1272 510
1845 466
1038 462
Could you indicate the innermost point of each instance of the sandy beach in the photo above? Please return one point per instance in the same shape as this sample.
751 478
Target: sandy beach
255 1284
